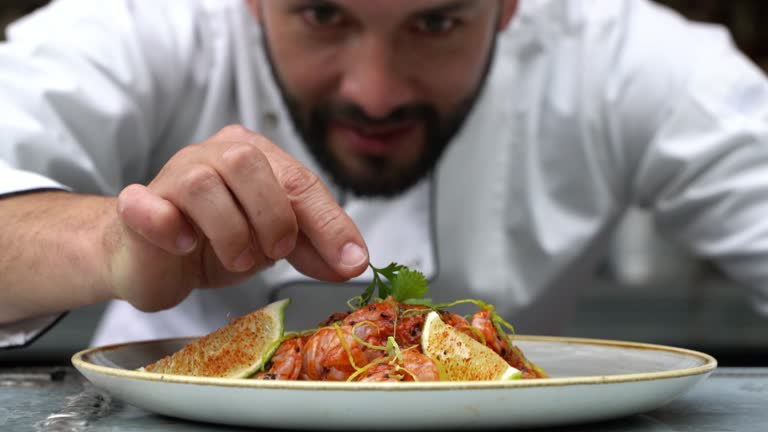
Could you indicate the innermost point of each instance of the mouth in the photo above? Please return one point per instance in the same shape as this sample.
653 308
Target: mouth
374 140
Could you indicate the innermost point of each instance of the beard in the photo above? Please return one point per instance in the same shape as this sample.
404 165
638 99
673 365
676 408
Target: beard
383 177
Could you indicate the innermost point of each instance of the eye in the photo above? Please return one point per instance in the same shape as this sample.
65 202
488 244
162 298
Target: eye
435 24
322 15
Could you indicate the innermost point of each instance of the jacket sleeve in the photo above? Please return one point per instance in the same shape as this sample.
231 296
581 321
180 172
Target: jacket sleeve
86 89
690 119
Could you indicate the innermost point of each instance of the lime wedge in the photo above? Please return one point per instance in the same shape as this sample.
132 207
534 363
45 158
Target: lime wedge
235 351
461 358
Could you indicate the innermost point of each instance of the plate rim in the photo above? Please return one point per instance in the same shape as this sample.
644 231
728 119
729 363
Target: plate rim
709 364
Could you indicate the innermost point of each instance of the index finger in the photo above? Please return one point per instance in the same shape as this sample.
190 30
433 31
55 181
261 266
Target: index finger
328 227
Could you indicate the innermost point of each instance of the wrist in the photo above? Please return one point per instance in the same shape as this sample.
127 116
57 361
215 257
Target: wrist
101 243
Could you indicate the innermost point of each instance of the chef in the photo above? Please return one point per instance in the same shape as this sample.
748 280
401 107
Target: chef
192 161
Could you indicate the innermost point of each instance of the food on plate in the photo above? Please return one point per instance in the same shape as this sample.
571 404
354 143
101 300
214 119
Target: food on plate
234 351
461 357
396 336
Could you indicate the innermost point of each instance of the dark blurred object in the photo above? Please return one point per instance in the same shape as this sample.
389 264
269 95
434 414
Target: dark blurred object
746 19
12 9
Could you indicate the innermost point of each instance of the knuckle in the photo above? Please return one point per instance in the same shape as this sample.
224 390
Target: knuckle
244 157
260 140
298 181
200 180
188 150
235 131
327 219
185 154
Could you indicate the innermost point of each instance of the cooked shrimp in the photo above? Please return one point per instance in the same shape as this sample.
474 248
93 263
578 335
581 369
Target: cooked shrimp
333 318
408 330
422 367
453 319
414 366
286 362
327 358
373 323
459 323
380 372
481 320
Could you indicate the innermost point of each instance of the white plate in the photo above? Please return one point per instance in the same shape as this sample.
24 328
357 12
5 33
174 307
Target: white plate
591 380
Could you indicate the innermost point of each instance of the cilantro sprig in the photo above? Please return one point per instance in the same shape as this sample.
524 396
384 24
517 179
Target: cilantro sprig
410 286
399 282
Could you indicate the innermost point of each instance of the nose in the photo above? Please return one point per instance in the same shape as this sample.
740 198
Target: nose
373 79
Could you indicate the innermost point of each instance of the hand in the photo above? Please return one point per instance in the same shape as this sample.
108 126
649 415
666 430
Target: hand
220 211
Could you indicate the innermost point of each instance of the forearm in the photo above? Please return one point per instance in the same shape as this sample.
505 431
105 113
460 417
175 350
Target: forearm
54 253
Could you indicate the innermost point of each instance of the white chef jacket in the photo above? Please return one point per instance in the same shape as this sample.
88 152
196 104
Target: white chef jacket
590 106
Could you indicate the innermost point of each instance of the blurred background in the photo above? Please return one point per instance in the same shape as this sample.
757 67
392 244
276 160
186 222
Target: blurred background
647 289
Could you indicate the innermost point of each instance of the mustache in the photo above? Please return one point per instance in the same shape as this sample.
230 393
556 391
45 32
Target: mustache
355 114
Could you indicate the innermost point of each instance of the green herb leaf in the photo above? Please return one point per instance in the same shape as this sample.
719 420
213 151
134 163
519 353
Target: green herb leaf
419 302
390 271
395 280
409 284
365 298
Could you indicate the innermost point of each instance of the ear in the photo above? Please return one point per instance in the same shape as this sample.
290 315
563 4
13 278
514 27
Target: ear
255 8
508 9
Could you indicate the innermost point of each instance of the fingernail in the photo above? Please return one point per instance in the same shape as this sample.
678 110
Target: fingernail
353 255
186 241
245 261
283 247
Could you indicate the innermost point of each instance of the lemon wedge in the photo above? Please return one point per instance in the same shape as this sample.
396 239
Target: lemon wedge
461 358
237 350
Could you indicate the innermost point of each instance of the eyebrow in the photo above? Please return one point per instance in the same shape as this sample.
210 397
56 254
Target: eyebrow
454 6
446 8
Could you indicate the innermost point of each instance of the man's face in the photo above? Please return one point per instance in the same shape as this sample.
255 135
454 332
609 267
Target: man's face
377 88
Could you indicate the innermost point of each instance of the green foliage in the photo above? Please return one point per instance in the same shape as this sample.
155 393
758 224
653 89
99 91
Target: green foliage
409 287
399 282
